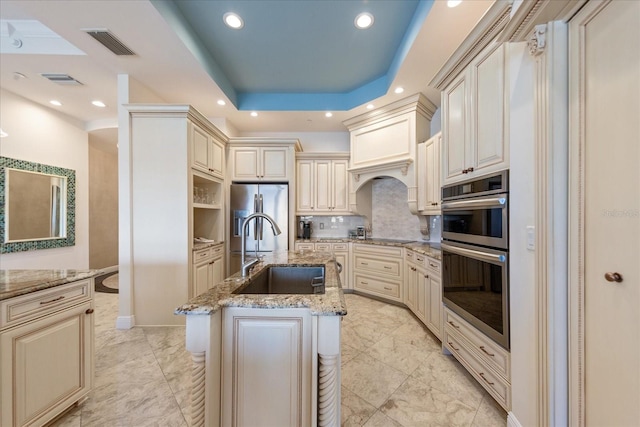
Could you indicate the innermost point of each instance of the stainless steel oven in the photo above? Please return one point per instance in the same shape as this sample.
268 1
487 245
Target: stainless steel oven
475 253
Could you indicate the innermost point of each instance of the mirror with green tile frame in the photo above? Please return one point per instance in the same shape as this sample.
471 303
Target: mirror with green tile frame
37 206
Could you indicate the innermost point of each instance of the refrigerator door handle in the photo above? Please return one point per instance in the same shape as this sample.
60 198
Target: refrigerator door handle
255 210
260 207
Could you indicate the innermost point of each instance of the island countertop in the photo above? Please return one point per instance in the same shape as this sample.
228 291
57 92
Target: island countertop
14 283
331 303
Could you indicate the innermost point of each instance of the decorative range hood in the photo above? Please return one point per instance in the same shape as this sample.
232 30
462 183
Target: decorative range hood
384 143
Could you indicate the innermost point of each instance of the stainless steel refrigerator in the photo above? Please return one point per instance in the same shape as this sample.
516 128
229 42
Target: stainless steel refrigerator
245 199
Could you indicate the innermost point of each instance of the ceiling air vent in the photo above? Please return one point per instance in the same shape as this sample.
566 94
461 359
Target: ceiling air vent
110 41
61 79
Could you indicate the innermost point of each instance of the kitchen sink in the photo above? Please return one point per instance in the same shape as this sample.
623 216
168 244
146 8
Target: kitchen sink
291 279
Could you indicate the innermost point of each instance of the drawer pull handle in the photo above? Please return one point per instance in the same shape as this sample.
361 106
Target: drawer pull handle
387 267
486 352
61 297
388 289
89 311
433 265
451 345
365 283
453 324
485 380
364 263
426 276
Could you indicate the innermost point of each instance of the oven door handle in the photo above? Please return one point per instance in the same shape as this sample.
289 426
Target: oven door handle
471 253
490 202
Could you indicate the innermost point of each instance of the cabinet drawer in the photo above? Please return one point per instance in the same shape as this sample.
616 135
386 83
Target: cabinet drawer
409 256
304 246
340 247
433 265
324 247
385 251
26 307
385 288
370 264
492 354
199 256
494 384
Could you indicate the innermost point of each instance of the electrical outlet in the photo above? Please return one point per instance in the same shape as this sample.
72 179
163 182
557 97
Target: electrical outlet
531 238
322 226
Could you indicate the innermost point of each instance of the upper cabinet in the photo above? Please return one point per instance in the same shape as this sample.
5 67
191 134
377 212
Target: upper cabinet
429 196
322 184
207 152
264 160
473 118
475 106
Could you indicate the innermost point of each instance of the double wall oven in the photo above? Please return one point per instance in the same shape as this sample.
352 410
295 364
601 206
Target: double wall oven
475 253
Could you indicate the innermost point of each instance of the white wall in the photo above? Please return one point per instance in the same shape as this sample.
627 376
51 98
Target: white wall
522 214
42 135
312 141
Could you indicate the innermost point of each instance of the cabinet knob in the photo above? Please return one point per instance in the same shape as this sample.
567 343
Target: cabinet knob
89 311
470 169
613 277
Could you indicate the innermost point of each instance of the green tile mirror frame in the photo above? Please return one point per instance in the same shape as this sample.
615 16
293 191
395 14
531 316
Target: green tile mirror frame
37 206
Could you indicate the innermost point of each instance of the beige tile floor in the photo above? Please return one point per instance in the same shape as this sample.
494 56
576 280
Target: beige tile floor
393 374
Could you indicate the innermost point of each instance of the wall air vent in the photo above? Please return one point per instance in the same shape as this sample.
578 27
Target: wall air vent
110 41
61 79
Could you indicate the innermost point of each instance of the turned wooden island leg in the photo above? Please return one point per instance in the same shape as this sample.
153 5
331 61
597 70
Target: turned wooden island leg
197 388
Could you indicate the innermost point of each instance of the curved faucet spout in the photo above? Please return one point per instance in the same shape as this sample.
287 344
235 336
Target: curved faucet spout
246 265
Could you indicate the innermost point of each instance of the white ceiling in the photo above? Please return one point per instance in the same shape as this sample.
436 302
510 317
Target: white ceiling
169 69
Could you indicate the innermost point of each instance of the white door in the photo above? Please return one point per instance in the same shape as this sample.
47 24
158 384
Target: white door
605 125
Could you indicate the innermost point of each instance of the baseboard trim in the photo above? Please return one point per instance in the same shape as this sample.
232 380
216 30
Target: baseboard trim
512 421
125 322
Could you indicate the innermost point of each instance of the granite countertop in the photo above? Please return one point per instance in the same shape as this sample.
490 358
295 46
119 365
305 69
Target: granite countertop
331 303
431 249
200 246
14 283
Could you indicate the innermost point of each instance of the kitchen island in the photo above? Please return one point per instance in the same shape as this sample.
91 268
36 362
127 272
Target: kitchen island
267 359
46 343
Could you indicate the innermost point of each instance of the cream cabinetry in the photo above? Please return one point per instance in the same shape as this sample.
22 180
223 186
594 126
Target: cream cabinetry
378 271
208 269
207 153
341 251
429 159
271 163
322 184
46 353
176 200
489 363
423 290
474 111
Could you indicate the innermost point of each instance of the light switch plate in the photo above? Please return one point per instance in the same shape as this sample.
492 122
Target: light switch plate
531 238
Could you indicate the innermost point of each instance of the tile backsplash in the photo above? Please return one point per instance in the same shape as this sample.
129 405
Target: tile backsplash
391 218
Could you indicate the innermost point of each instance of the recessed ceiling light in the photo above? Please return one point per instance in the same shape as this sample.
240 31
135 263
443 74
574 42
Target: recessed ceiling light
399 89
221 102
370 107
328 114
99 104
453 3
363 21
254 114
55 102
233 20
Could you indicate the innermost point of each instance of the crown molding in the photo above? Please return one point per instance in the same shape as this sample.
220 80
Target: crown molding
418 103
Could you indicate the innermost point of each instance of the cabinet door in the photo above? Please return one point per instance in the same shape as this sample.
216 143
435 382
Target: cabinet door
216 158
455 121
323 185
423 174
432 155
200 278
199 148
434 307
340 185
411 287
422 294
305 186
46 366
342 258
487 121
273 163
245 163
216 272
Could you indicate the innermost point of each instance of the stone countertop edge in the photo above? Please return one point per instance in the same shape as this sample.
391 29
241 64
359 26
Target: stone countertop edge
207 245
431 249
331 303
14 283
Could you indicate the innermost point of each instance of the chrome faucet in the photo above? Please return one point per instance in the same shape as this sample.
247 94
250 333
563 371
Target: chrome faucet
246 265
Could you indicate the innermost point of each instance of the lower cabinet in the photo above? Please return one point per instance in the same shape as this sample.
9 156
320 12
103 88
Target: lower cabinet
341 252
208 269
46 357
489 363
378 271
423 291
